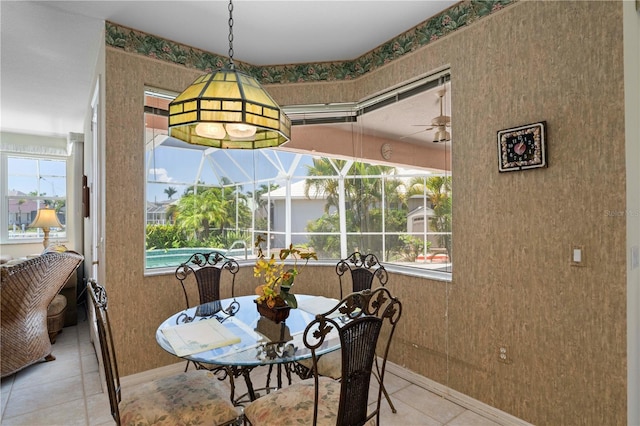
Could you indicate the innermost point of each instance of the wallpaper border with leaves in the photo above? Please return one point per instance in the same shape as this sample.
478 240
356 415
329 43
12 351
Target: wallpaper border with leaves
456 17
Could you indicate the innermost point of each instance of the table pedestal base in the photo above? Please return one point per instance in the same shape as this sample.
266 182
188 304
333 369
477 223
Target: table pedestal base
252 393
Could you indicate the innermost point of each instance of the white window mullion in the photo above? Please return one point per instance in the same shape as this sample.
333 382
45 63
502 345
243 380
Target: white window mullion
343 217
4 196
287 213
383 209
343 208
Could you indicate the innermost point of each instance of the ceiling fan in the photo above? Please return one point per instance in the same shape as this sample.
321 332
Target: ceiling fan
440 123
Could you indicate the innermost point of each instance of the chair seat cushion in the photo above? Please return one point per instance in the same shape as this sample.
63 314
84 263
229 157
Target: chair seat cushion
293 405
57 305
329 365
191 398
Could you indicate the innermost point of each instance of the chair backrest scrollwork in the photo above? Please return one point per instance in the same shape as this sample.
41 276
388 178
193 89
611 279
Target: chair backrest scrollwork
207 269
363 268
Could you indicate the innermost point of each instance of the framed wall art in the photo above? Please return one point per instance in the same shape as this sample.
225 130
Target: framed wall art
523 147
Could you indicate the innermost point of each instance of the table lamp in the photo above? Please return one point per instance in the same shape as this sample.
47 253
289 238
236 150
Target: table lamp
46 219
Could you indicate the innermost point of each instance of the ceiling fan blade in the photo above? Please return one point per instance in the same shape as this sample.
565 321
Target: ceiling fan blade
412 134
427 127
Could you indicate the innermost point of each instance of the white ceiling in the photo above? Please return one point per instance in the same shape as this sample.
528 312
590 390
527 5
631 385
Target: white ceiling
49 48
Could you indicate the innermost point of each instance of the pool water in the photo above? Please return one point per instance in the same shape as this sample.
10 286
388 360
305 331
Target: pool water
173 257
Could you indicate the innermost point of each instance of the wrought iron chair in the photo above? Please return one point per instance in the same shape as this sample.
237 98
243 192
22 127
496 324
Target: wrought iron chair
359 326
363 268
360 270
207 268
185 398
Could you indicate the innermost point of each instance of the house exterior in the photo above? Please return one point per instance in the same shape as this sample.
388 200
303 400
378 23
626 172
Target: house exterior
309 208
157 212
21 211
305 208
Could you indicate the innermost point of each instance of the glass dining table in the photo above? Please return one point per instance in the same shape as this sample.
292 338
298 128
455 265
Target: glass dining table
232 334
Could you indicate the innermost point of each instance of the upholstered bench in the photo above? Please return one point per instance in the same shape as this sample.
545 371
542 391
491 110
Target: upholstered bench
59 313
55 316
27 289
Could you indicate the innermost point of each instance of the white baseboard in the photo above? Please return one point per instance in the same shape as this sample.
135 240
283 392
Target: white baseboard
456 397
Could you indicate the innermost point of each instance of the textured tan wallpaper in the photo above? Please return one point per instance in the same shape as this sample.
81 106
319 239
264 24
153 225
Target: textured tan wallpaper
563 326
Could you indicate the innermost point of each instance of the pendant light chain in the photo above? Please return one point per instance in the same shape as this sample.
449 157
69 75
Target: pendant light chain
217 112
231 65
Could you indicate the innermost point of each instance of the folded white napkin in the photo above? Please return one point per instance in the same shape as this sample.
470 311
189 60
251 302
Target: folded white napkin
318 305
199 336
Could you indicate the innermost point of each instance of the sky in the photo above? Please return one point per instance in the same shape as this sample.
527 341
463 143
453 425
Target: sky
28 175
180 168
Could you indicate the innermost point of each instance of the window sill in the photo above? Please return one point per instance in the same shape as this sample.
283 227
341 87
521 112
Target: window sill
390 267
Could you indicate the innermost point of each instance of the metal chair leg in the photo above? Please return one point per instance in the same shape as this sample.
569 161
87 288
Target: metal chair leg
386 395
384 390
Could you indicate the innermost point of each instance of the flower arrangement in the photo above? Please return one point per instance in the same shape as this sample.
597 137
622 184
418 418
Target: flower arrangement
277 280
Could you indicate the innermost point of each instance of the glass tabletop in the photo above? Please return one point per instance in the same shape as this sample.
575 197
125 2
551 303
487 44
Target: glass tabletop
261 341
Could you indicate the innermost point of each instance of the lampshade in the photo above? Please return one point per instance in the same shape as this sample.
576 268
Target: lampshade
228 109
442 136
46 218
251 118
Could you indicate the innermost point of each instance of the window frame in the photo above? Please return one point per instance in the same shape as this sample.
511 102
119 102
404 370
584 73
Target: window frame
288 233
38 235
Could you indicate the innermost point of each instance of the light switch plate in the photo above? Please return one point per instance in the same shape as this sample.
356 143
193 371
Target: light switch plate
577 255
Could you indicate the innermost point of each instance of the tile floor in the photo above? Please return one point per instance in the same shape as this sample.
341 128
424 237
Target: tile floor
68 392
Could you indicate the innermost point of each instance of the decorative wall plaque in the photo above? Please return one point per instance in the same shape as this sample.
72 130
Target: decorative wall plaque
523 147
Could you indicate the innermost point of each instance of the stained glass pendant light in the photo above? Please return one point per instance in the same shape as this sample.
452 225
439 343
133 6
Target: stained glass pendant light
228 109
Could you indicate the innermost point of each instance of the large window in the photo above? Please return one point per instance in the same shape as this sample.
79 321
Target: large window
200 197
31 183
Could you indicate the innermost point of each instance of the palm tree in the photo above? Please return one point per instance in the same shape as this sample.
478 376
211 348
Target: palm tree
235 203
196 213
191 189
20 203
170 213
363 193
438 192
204 208
170 191
326 187
262 204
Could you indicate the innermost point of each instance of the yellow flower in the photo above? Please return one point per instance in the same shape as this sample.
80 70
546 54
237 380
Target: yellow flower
277 281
